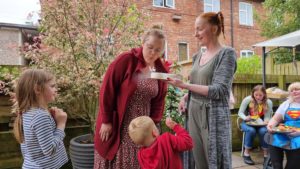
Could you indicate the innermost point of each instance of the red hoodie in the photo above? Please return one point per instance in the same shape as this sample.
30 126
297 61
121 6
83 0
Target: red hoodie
164 152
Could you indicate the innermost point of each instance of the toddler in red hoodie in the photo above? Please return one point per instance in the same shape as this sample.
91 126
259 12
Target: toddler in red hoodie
159 151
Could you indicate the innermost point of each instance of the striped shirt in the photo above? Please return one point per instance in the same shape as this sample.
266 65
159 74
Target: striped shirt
43 146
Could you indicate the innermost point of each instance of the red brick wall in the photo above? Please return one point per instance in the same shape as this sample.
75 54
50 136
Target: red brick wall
183 30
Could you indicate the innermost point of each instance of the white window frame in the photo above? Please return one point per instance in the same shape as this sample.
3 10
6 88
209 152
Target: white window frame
248 14
166 50
214 8
165 4
247 53
188 51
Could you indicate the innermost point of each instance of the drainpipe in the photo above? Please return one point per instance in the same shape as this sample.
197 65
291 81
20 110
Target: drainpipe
231 23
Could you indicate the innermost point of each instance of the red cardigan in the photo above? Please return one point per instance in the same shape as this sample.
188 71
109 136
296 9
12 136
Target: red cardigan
118 86
164 152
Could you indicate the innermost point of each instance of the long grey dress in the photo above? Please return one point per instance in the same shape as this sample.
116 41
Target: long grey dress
209 117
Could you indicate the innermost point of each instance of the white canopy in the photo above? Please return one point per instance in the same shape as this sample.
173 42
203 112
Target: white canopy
288 40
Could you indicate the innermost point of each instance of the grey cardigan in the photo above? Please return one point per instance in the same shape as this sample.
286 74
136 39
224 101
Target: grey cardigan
219 150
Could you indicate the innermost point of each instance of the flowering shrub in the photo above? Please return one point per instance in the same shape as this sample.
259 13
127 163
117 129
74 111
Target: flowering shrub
172 99
77 41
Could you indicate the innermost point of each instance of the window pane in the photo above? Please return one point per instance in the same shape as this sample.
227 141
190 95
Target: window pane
170 3
242 6
208 8
208 2
216 5
158 2
182 52
250 14
243 19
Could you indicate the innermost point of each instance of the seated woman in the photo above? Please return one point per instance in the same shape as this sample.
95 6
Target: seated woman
288 113
255 107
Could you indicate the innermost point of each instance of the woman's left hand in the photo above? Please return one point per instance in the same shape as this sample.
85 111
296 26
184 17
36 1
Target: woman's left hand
295 133
176 82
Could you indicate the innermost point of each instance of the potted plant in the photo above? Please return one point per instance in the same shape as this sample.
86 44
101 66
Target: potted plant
77 41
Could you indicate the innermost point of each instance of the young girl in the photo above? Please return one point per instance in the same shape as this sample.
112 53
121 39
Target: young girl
256 106
289 114
40 132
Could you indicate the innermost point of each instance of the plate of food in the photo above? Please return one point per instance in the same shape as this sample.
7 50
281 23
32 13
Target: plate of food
255 123
164 76
285 129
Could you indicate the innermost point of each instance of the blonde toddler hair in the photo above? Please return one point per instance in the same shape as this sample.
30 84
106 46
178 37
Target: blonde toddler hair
140 129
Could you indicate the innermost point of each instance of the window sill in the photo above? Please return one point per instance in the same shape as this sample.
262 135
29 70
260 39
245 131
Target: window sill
185 62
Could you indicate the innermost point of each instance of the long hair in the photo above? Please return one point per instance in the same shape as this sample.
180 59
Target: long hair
216 19
26 96
264 100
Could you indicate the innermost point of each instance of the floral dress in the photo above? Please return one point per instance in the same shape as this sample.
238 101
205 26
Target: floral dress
139 105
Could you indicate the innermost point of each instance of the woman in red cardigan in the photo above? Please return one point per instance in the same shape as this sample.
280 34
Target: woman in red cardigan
126 94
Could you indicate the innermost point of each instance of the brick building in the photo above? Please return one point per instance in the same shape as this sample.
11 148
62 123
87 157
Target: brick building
177 19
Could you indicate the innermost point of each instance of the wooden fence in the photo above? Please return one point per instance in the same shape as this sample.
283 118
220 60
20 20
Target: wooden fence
281 69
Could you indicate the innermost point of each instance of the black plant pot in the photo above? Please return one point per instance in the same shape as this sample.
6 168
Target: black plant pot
82 154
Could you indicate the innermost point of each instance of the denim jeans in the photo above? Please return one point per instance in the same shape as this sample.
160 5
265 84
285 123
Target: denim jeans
250 133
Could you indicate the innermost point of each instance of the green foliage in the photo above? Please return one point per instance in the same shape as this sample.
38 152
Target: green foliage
172 101
7 76
78 40
249 65
282 17
284 55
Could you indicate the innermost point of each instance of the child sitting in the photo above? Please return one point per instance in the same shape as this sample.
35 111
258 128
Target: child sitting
289 114
159 151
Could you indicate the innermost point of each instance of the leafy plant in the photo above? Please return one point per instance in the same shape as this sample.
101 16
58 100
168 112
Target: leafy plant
172 101
77 41
282 16
249 65
7 76
284 55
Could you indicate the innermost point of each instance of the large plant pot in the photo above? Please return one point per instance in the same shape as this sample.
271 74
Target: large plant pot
82 155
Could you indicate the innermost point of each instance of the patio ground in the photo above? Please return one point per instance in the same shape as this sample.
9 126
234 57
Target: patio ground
256 155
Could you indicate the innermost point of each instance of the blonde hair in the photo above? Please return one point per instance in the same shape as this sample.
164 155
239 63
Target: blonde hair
26 96
293 86
140 129
156 32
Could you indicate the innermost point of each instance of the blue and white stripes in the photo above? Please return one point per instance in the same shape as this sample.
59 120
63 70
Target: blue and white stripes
43 146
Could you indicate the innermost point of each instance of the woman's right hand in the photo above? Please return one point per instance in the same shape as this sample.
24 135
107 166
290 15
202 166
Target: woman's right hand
270 128
248 118
181 106
105 131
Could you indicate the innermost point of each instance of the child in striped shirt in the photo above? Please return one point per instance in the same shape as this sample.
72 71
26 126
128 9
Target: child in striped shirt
39 132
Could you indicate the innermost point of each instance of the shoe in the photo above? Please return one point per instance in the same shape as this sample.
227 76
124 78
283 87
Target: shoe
248 160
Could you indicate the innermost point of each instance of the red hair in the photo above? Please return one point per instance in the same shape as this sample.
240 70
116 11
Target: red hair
216 19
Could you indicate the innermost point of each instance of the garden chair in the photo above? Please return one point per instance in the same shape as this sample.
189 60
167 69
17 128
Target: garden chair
238 124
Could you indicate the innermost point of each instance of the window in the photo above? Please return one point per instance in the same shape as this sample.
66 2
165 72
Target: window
245 14
164 3
211 5
246 53
183 52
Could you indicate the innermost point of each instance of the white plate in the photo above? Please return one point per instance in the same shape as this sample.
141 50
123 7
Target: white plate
164 76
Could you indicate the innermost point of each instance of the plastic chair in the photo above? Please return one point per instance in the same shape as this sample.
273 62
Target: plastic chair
238 123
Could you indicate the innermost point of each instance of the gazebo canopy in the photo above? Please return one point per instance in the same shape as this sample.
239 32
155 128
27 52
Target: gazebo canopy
291 40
